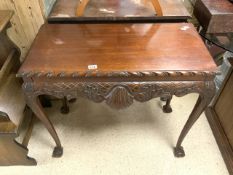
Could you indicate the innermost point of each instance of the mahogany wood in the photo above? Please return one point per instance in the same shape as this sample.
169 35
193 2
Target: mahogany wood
118 64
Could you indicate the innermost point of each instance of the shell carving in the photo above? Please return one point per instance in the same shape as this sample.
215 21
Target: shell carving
119 98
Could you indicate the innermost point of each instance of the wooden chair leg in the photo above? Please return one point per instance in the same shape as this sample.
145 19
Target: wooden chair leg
157 7
81 7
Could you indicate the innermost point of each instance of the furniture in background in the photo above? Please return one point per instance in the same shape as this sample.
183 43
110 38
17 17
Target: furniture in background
216 19
136 69
216 26
118 11
215 16
220 117
83 3
12 102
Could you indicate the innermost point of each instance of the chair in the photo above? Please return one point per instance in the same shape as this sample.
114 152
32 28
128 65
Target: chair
83 3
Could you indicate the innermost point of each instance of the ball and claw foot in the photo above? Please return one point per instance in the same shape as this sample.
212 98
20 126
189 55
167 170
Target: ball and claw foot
64 110
167 109
179 152
58 151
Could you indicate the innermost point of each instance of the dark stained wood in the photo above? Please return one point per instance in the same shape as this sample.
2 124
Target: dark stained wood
215 15
122 10
219 115
117 47
118 64
11 99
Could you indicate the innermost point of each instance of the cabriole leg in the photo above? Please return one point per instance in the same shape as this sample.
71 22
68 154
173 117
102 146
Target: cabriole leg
34 103
198 109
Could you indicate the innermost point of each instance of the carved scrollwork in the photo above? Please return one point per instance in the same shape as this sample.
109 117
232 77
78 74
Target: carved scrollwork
120 94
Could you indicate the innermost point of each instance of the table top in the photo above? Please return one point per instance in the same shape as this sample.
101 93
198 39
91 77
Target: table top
117 47
5 16
122 10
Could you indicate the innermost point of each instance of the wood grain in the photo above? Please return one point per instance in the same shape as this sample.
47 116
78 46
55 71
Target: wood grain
118 47
26 21
5 16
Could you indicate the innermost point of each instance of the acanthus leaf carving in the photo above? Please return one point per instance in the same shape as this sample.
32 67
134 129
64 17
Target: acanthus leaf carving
120 94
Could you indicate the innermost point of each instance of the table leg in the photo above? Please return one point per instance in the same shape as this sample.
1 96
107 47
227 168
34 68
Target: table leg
167 107
198 109
163 98
65 106
35 105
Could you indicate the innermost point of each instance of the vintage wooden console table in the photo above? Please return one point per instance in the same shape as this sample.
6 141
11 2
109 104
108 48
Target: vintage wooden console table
118 63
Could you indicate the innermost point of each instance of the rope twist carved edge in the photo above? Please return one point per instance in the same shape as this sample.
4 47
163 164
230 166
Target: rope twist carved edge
96 73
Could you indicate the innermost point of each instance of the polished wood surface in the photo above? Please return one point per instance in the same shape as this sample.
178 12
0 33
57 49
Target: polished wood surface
220 114
118 47
105 10
215 15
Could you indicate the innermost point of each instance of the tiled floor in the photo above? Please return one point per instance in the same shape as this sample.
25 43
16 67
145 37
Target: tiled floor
135 141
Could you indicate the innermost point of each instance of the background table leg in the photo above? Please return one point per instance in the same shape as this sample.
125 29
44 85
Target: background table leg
65 106
167 107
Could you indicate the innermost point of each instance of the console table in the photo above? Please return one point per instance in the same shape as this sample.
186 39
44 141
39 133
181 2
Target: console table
118 64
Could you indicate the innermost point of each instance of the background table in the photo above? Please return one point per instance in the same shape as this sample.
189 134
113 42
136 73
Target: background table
118 11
